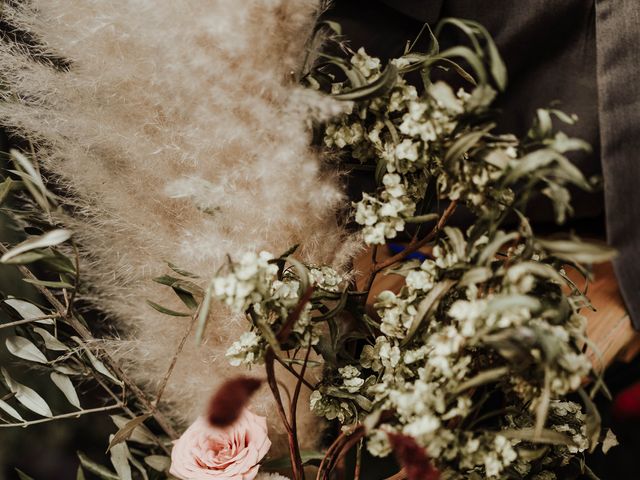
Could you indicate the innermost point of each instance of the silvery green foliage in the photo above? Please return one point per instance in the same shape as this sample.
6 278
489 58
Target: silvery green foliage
476 356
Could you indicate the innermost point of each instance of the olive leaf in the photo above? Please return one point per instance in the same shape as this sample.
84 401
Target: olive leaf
159 463
51 342
127 430
27 396
54 237
63 382
28 310
10 410
25 349
120 456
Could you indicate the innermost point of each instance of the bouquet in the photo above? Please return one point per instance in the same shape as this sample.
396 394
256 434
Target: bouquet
475 367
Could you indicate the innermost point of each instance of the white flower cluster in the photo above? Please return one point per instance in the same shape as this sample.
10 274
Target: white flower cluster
252 286
476 327
248 283
407 134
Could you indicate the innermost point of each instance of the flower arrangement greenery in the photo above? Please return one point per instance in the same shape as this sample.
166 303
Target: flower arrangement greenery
475 368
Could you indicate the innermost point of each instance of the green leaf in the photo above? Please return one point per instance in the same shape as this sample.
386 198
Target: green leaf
383 84
140 434
22 475
593 420
127 430
6 187
66 387
28 257
159 463
32 179
167 311
547 436
26 396
427 305
25 349
470 57
487 376
180 271
578 251
80 473
489 251
203 314
463 144
97 364
362 401
309 457
54 237
120 456
28 310
429 217
95 468
51 342
10 410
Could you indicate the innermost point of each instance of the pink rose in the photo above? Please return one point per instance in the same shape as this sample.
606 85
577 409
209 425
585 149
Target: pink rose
204 452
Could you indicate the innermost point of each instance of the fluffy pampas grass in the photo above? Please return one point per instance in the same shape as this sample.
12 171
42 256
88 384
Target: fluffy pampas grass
177 133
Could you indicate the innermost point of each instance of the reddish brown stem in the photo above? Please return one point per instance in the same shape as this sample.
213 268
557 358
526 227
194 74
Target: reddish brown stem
413 246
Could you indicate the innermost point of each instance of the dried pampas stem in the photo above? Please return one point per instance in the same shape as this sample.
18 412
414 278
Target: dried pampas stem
174 133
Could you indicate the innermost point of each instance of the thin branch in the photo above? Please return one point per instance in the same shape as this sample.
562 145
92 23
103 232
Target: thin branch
293 411
86 335
28 320
413 246
77 414
174 360
291 370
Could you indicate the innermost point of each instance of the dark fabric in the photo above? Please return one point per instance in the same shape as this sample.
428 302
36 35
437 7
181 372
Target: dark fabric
554 51
618 40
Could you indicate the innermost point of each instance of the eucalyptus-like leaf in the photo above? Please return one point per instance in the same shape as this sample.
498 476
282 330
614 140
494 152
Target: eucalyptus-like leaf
462 145
167 311
203 314
80 473
429 217
308 457
126 430
140 433
486 376
27 396
547 436
22 475
593 420
32 179
6 187
66 387
51 342
385 82
97 364
25 349
427 305
10 410
159 463
99 470
49 239
362 401
120 456
28 310
181 271
578 251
